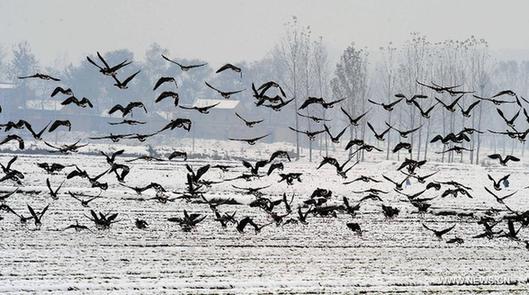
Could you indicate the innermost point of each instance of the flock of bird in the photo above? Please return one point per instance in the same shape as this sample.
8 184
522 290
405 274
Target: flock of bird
282 210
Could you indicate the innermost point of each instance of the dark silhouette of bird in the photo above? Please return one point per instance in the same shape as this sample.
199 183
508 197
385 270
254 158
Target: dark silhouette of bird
77 227
279 154
203 110
353 121
313 118
402 145
127 109
124 84
250 141
493 100
14 137
61 90
497 184
84 102
184 68
335 139
386 106
167 94
163 80
84 202
466 112
248 122
127 122
225 94
412 99
51 168
229 67
112 157
509 122
40 76
439 233
403 133
425 113
310 134
36 135
498 198
378 136
452 106
54 193
177 154
37 218
58 123
67 148
503 161
106 69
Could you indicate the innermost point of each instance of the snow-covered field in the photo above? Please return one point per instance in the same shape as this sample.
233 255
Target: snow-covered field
392 255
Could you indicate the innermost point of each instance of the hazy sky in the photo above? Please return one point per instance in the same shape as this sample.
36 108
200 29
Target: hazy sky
220 31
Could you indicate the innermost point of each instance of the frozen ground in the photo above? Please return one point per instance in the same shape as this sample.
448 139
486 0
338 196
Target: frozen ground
323 256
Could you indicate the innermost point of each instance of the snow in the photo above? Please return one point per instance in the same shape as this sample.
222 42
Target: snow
396 255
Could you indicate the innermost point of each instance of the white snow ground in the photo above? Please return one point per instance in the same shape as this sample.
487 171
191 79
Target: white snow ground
395 255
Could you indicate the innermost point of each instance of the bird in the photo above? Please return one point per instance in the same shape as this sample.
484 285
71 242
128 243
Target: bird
51 168
58 123
127 122
493 100
177 154
14 137
386 106
254 169
310 134
425 113
167 94
184 68
466 113
353 121
141 224
53 192
279 154
37 218
202 110
225 94
84 102
77 227
84 203
438 88
250 141
61 90
378 136
106 69
124 84
112 157
247 122
163 80
503 161
452 106
402 145
313 118
509 122
439 233
127 109
500 199
40 76
67 148
36 135
403 134
497 184
335 139
411 100
229 66
178 123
